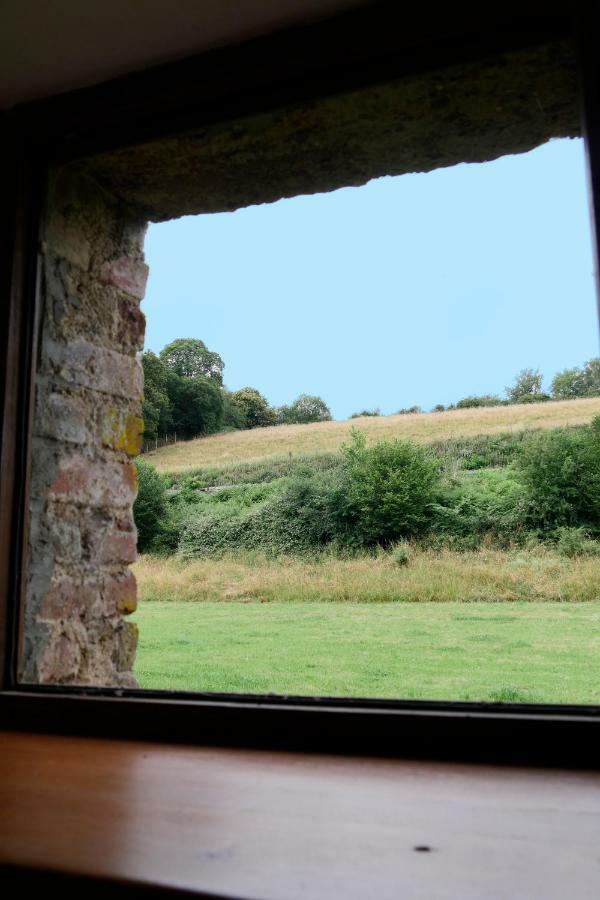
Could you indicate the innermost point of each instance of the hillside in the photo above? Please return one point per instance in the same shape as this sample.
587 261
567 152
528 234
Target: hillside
286 440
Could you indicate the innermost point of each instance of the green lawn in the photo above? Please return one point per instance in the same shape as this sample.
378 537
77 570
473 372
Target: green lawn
539 652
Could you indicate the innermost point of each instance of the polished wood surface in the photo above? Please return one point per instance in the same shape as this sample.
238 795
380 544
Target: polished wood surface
265 825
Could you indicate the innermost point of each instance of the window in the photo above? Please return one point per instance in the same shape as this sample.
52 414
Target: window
242 147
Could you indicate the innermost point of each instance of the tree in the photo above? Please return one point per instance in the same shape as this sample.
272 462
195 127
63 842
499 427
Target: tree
156 406
233 414
256 410
150 505
527 386
197 405
305 408
591 377
190 357
568 384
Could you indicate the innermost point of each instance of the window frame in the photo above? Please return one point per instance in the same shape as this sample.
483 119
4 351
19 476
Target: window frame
264 74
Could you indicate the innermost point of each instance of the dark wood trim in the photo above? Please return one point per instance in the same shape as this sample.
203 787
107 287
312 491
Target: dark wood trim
508 734
23 184
378 42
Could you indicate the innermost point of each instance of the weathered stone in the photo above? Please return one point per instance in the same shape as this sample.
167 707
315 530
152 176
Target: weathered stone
86 424
92 482
126 273
122 430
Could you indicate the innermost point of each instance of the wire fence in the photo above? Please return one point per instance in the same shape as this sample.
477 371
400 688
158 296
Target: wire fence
158 441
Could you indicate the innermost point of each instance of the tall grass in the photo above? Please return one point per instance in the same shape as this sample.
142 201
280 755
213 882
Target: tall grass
325 437
432 576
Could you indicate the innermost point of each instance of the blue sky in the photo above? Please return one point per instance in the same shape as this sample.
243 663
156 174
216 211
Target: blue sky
418 289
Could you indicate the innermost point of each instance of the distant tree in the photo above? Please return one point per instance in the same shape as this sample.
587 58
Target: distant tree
157 409
526 388
479 400
305 409
568 384
190 357
409 411
365 412
591 377
234 415
257 412
439 407
197 405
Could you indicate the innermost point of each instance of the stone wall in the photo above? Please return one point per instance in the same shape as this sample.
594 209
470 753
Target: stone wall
86 428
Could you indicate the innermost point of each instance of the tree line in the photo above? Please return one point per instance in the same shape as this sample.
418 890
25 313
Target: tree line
527 387
184 393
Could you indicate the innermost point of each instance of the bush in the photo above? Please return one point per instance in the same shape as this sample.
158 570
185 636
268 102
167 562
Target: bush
409 411
575 542
477 401
493 502
385 491
150 507
365 412
401 554
561 470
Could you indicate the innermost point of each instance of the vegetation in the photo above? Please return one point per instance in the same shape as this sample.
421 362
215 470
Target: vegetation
316 572
254 625
261 444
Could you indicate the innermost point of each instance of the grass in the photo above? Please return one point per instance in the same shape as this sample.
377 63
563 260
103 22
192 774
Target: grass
433 576
339 627
532 652
325 437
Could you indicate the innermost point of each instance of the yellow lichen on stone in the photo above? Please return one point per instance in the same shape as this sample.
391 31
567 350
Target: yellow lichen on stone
122 431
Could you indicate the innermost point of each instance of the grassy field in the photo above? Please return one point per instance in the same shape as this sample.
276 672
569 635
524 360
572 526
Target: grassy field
283 440
532 652
340 627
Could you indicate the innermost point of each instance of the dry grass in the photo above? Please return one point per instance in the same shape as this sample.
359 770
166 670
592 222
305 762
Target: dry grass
281 441
440 576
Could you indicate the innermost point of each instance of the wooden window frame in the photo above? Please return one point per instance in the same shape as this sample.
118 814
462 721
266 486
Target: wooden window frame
353 50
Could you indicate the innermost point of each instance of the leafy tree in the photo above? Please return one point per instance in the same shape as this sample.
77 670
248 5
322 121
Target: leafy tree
197 405
304 409
234 415
190 357
256 410
156 406
568 384
591 377
528 384
409 411
150 507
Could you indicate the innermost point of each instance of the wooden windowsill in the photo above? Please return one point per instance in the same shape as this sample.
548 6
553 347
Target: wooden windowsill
255 824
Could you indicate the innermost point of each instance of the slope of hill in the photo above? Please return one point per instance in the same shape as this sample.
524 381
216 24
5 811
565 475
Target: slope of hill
286 440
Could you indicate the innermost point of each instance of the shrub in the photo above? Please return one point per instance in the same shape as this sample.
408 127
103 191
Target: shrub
575 542
409 411
385 491
477 401
365 412
561 470
150 507
492 501
401 554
